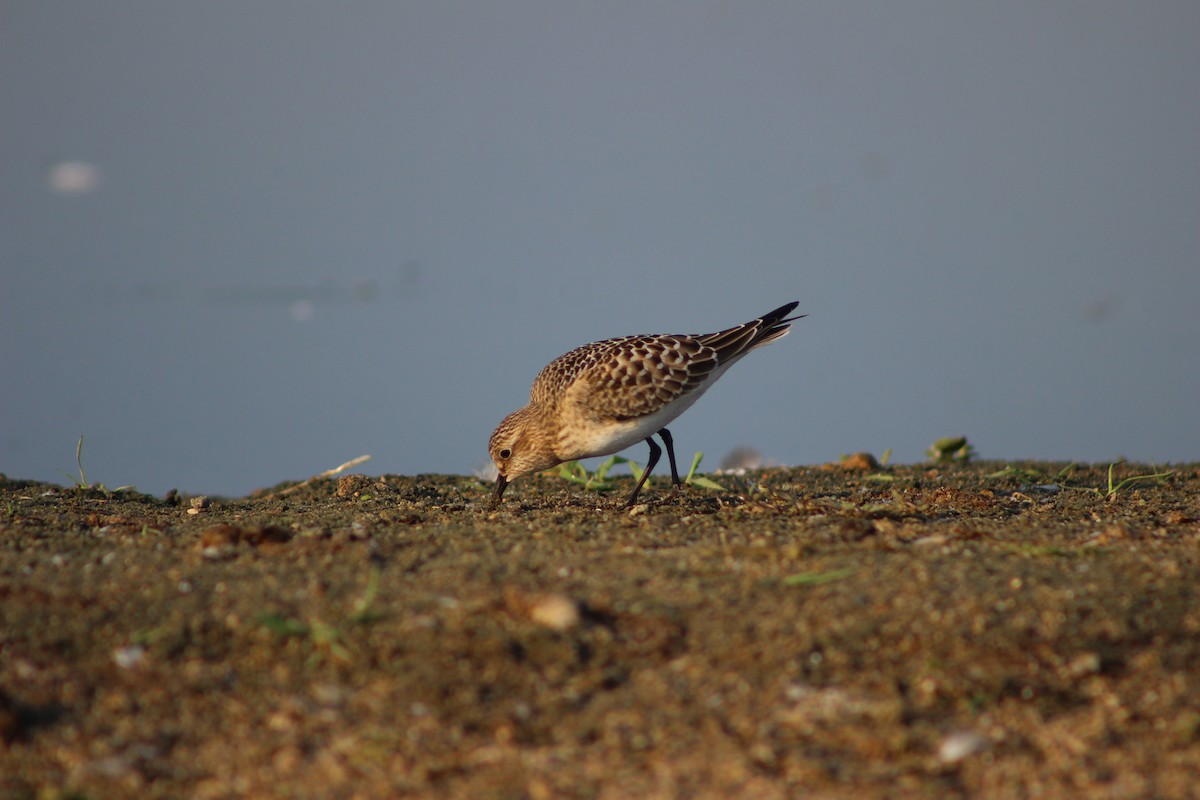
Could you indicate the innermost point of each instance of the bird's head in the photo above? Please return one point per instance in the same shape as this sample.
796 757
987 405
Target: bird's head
522 443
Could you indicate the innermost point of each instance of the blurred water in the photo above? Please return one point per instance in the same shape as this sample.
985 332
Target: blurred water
240 244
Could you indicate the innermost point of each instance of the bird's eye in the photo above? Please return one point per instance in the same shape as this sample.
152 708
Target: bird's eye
506 453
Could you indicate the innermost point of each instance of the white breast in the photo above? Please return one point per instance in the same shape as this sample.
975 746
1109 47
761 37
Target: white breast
613 437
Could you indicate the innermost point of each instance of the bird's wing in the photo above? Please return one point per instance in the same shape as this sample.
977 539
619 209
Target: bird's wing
627 378
633 376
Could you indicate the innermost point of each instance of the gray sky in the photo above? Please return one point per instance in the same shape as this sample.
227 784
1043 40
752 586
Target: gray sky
242 243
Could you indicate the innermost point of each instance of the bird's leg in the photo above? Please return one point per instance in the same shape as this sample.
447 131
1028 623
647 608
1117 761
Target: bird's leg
670 443
655 452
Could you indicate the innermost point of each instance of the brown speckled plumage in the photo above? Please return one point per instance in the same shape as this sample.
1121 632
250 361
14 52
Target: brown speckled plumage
627 377
601 397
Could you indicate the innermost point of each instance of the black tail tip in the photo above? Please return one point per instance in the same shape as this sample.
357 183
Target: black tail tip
777 316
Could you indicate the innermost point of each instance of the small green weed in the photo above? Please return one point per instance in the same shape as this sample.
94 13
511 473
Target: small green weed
693 479
950 449
1021 474
575 472
81 482
1114 487
1039 550
327 638
817 578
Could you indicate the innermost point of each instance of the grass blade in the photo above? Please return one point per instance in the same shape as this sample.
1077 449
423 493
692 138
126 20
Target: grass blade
817 578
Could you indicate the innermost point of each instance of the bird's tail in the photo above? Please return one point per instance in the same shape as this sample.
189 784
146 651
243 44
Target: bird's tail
755 333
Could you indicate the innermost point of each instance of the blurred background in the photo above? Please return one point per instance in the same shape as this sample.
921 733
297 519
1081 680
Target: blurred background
244 242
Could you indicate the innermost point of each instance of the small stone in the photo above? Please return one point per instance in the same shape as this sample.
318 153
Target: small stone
129 657
960 744
860 462
554 611
217 553
352 485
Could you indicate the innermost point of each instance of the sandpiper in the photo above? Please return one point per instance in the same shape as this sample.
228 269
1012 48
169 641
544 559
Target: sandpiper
600 398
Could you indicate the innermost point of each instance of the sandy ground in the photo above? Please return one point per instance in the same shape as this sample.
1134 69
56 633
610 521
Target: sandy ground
959 631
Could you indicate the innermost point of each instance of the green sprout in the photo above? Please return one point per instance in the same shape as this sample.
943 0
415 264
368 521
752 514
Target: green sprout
327 638
950 449
1114 488
817 578
82 482
575 472
1023 474
693 479
1033 475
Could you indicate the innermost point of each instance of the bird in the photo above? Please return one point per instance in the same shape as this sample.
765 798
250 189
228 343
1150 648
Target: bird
601 398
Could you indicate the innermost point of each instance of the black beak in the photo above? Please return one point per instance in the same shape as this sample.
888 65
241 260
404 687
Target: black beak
501 483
